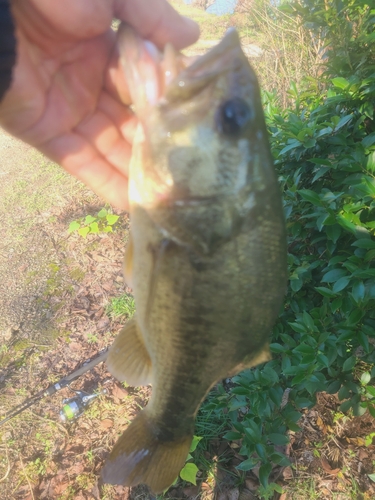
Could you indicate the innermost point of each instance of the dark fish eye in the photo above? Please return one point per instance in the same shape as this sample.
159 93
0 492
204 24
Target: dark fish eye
233 116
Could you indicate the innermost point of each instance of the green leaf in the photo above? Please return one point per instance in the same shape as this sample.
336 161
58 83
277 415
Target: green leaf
296 284
189 473
326 292
365 378
309 322
277 348
293 145
241 391
370 165
371 390
340 82
372 477
232 436
195 442
334 387
248 464
364 243
89 219
354 317
358 291
103 212
349 364
333 232
343 121
341 284
94 228
359 409
264 472
112 219
83 231
278 438
334 275
345 406
369 140
277 487
259 448
310 196
73 226
298 327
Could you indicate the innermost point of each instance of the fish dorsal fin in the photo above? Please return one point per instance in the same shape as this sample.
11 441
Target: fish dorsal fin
128 359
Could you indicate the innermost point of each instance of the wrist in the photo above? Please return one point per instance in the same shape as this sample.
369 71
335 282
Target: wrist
7 47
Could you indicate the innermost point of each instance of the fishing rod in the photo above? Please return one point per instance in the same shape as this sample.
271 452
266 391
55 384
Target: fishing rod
74 406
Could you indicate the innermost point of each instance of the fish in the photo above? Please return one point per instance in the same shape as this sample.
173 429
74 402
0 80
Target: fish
206 256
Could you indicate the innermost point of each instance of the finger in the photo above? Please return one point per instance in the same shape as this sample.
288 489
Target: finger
123 117
78 157
115 81
106 139
158 22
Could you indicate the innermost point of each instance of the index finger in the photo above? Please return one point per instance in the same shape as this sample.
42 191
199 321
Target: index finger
158 22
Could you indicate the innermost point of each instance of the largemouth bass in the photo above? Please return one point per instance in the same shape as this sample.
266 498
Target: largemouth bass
207 252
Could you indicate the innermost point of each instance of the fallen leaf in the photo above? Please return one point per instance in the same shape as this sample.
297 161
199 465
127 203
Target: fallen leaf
328 468
247 495
251 484
106 423
119 392
362 454
287 473
191 491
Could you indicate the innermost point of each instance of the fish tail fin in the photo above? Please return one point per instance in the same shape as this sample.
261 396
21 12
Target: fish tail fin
140 457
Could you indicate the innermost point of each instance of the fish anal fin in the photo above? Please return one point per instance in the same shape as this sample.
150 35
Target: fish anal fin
252 360
139 457
262 356
128 359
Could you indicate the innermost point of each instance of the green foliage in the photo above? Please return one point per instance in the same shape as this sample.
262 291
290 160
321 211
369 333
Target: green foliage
324 150
121 306
346 31
103 222
189 471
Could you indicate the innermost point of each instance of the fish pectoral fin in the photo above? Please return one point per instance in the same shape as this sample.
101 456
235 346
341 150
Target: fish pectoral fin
140 457
128 359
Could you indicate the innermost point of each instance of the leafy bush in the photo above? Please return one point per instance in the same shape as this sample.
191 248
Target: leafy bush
324 151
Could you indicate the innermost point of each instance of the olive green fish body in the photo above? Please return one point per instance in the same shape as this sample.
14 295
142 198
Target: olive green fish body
207 256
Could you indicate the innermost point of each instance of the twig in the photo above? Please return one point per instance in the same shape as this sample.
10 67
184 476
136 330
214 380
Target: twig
27 477
45 419
7 472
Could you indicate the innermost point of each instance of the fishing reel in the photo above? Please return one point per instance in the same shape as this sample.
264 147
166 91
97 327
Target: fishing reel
75 406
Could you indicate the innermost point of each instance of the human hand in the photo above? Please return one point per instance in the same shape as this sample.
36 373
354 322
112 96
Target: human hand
68 86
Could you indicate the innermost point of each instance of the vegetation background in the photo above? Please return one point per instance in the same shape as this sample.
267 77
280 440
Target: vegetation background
300 426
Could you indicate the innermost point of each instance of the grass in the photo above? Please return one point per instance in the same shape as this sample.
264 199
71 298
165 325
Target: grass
121 306
37 190
290 53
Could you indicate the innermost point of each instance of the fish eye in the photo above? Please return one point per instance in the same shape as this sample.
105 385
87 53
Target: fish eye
233 116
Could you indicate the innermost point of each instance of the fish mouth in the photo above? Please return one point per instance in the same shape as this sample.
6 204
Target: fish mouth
155 77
